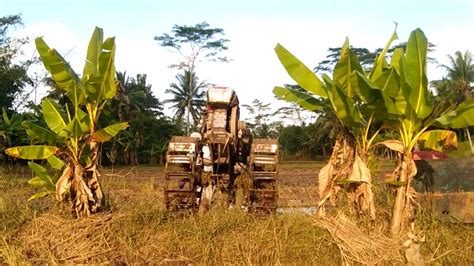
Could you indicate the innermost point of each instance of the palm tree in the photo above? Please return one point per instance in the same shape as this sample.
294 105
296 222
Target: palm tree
461 73
188 97
135 95
460 78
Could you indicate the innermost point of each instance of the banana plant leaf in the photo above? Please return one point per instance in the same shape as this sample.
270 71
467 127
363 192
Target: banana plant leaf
42 178
100 70
302 99
93 52
5 117
33 152
39 133
105 134
344 108
462 117
55 162
299 72
40 195
344 68
61 72
439 139
76 128
415 74
53 117
380 62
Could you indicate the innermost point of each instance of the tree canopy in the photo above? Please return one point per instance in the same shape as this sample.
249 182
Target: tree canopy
13 73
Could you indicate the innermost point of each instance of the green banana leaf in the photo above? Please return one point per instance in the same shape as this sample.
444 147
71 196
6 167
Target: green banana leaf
100 85
42 178
388 82
300 73
33 152
105 134
462 117
380 62
366 91
415 74
39 133
76 129
93 52
40 195
52 117
302 99
61 72
55 162
344 108
347 64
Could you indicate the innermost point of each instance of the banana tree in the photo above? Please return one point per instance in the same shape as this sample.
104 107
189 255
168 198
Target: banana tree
410 112
356 98
71 140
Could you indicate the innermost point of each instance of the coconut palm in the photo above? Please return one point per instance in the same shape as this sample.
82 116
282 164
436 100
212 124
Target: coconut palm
461 76
135 95
188 97
461 73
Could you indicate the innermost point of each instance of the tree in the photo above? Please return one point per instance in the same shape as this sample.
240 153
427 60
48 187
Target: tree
71 141
458 84
136 96
259 121
191 42
395 93
366 57
187 97
354 109
146 139
461 73
13 74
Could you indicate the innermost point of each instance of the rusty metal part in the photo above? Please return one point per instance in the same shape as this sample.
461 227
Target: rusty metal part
263 171
181 174
211 162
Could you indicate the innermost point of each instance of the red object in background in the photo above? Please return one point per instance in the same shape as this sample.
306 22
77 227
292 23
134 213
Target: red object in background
428 155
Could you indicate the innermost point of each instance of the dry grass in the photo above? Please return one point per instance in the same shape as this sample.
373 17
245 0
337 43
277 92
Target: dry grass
53 238
136 230
356 245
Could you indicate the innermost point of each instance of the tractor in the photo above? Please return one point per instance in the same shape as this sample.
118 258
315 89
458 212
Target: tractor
207 162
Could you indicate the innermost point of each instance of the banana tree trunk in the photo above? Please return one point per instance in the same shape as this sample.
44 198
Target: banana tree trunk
338 168
91 178
405 194
347 165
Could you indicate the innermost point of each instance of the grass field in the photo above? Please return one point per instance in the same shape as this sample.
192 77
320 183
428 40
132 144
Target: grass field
136 230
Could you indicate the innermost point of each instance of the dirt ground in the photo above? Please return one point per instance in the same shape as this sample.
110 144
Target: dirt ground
297 182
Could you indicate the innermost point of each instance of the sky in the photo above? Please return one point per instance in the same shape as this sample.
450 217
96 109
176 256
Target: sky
306 28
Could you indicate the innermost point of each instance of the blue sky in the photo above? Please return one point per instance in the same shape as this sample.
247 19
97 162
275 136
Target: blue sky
306 28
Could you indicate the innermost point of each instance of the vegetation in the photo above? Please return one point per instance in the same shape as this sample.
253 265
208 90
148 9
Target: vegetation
192 42
71 141
13 72
363 101
395 94
188 96
138 231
